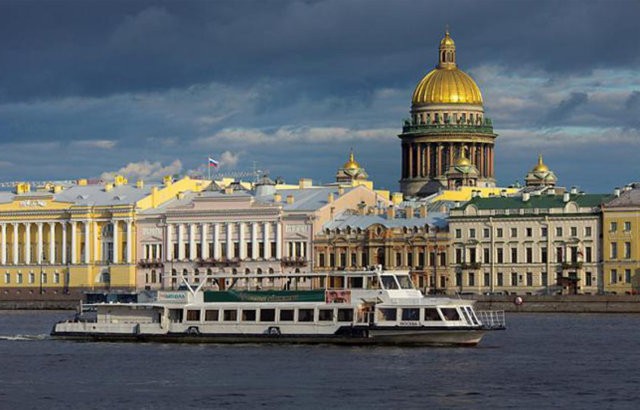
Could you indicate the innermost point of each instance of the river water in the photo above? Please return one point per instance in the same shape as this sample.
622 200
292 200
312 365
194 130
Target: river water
541 361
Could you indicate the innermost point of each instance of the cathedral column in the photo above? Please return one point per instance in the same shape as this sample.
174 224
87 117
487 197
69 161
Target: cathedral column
63 255
15 243
204 243
254 240
95 237
87 242
438 160
267 242
428 163
418 160
192 241
216 241
52 242
74 239
27 243
472 154
169 251
410 161
451 152
180 241
241 244
482 162
115 242
129 241
229 254
278 240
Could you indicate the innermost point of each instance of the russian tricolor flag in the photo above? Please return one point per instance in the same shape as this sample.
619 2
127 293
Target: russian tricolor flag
213 163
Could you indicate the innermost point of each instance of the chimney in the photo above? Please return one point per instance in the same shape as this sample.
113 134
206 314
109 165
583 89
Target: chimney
289 199
168 180
396 198
277 197
616 192
408 212
57 189
82 182
139 184
566 197
525 196
180 195
423 211
340 190
330 197
228 190
391 212
108 187
574 190
503 193
305 183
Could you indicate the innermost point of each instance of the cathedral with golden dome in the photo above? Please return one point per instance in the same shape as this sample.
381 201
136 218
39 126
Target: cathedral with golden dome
447 128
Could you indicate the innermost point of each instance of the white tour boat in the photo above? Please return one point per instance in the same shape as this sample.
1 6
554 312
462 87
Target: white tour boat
373 307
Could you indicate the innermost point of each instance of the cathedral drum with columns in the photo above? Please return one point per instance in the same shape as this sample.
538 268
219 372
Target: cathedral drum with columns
447 124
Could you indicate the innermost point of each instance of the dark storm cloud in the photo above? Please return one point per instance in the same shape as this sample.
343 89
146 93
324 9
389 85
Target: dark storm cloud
63 48
565 108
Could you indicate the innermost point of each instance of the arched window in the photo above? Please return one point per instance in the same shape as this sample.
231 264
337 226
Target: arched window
259 271
247 271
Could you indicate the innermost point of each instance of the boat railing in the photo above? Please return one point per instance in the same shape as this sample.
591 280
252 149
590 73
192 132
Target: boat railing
492 319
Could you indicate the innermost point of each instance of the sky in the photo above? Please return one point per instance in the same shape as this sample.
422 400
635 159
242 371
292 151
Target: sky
89 88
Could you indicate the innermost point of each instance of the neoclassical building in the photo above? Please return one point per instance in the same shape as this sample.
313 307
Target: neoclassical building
61 241
447 122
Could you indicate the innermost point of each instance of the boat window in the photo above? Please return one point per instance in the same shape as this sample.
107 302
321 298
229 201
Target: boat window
474 319
305 315
387 315
389 282
230 315
211 315
466 316
249 315
345 315
193 315
356 283
286 315
267 315
405 282
450 314
325 315
431 314
411 314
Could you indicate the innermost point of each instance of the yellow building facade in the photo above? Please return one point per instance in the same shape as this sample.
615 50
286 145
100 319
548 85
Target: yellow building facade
59 241
621 242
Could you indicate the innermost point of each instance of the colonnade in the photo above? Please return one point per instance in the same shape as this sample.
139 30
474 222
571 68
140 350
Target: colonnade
68 242
432 159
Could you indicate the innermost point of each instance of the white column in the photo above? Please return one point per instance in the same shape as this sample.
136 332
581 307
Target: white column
87 242
254 241
204 242
27 243
64 243
3 251
40 243
278 240
115 242
192 241
15 243
169 251
216 241
96 237
74 239
303 249
229 254
129 241
267 241
241 244
180 241
52 242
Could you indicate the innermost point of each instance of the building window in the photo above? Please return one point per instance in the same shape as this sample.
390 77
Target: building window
543 231
32 277
559 231
559 254
514 232
486 257
627 275
574 231
19 278
7 277
458 279
543 255
443 258
514 279
613 226
529 232
529 279
485 232
627 250
613 251
472 279
574 254
500 255
588 279
588 255
472 255
472 233
544 278
500 279
487 279
499 232
514 255
458 255
627 226
458 233
321 259
587 231
43 277
614 276
529 255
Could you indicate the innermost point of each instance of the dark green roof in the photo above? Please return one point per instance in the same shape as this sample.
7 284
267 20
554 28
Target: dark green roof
540 202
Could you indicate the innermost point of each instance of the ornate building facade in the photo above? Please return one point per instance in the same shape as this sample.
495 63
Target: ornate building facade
447 122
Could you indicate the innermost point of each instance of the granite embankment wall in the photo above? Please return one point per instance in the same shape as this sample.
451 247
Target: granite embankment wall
564 304
39 305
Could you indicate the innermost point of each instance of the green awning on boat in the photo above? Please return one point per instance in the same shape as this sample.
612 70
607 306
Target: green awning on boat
264 296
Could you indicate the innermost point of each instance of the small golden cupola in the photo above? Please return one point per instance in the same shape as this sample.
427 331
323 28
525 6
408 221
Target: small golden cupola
462 172
351 171
540 175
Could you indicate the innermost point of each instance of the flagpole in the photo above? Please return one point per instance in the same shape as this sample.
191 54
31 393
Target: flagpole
209 168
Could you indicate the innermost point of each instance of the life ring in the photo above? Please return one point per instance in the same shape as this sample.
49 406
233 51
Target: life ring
274 331
518 301
193 330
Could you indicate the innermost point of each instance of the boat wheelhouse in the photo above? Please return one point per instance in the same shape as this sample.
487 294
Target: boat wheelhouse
372 307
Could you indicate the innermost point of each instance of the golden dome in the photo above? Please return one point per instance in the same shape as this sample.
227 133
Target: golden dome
447 84
351 164
463 162
540 166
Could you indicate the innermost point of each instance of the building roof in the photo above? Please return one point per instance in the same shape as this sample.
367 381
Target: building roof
346 219
96 195
306 199
627 198
535 201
